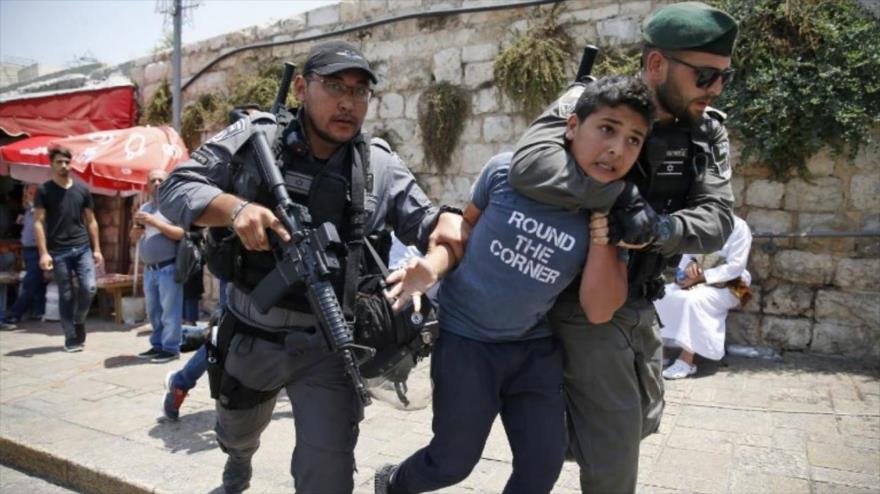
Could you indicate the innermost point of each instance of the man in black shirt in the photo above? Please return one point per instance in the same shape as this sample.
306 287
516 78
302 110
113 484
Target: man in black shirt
64 222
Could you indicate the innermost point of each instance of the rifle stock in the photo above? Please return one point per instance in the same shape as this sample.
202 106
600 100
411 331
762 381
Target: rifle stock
586 66
283 88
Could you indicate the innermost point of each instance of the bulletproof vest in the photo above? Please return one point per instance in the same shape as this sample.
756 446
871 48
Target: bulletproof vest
672 159
324 188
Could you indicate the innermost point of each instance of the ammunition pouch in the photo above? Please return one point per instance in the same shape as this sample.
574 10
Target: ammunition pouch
222 253
225 388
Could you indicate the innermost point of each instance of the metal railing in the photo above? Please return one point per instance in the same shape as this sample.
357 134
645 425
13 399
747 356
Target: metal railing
770 247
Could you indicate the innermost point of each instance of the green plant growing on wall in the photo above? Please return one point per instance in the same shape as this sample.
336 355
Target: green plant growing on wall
442 111
808 75
158 110
615 60
207 113
531 71
210 112
261 87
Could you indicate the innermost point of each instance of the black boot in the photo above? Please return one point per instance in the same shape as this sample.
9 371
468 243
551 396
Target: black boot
237 474
80 333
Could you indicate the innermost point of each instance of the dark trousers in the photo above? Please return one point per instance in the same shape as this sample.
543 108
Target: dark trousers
475 381
74 303
33 288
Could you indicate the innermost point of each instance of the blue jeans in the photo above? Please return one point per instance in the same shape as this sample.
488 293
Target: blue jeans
74 307
7 260
164 299
474 382
187 377
222 296
32 294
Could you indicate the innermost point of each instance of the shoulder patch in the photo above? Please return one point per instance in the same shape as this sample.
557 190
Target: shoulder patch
201 155
233 130
716 114
381 144
721 160
566 103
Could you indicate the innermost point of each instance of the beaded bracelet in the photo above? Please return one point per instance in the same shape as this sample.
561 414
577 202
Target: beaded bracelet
238 209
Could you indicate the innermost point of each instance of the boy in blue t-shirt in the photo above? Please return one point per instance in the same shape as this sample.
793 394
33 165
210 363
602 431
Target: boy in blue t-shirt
495 353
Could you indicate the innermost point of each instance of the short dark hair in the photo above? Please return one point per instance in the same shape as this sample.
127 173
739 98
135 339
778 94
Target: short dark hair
613 91
59 151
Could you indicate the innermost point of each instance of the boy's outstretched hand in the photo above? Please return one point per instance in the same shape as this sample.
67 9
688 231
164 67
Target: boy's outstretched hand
408 283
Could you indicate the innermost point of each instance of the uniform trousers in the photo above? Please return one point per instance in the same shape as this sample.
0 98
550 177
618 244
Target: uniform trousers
613 389
326 410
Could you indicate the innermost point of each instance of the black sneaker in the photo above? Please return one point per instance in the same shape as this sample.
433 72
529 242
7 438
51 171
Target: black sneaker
163 356
72 346
80 332
382 480
237 474
152 352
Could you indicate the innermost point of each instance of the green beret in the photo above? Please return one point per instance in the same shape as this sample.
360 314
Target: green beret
691 26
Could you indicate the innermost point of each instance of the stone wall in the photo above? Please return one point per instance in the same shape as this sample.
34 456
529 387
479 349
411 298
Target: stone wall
812 295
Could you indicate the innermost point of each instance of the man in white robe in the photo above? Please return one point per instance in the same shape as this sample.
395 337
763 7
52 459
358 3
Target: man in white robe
694 309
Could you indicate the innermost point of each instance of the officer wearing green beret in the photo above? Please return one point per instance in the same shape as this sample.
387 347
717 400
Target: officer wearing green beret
613 382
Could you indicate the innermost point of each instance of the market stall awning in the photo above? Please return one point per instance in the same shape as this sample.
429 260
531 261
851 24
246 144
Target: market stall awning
109 162
70 112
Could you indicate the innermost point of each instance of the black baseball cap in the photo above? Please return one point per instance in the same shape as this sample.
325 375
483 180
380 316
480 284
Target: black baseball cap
336 56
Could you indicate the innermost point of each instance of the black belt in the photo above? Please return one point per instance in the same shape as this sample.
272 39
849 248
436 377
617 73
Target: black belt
277 337
159 265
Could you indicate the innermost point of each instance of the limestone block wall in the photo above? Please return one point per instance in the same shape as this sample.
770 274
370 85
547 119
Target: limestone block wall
814 294
811 295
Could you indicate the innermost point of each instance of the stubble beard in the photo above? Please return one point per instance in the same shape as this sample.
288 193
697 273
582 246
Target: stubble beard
323 135
669 98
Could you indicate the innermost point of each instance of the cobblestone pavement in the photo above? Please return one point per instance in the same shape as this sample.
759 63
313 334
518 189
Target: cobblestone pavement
805 425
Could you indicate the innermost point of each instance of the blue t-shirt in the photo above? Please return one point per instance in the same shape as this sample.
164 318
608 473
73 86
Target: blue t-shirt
520 256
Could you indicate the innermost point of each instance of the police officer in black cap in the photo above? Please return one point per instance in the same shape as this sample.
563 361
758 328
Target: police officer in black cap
614 388
329 167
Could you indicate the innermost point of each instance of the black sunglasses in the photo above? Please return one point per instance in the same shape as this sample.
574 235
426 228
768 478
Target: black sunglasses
706 76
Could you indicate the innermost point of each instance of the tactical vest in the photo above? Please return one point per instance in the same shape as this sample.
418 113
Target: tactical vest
325 188
672 159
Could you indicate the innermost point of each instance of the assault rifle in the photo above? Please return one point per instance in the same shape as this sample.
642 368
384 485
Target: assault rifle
310 256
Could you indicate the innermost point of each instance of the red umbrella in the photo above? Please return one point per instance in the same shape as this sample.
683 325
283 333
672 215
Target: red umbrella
110 162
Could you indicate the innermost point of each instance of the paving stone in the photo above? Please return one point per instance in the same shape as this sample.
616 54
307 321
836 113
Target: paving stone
789 439
844 458
829 488
752 482
12 480
726 420
778 461
805 422
860 426
694 471
850 479
701 440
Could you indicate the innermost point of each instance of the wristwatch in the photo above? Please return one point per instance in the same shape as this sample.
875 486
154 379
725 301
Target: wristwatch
450 209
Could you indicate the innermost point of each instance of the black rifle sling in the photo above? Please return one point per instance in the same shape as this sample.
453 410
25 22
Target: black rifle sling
360 163
377 259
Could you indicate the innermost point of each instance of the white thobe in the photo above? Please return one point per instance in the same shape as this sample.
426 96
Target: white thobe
694 319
